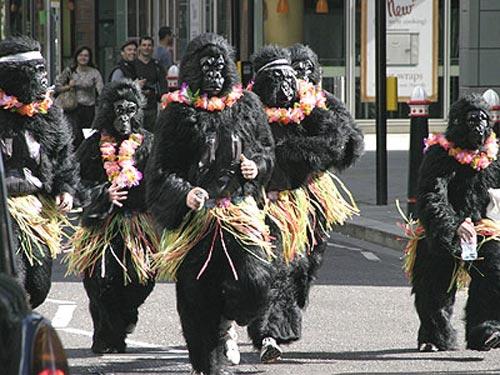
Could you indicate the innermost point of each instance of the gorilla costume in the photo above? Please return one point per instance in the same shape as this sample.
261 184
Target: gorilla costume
207 132
306 148
41 172
307 67
115 243
452 195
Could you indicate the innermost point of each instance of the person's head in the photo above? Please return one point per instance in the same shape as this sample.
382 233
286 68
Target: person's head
82 57
146 46
129 50
306 63
22 69
469 122
275 79
119 109
208 65
165 35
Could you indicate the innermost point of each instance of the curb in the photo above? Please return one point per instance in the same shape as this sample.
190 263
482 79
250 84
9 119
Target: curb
362 228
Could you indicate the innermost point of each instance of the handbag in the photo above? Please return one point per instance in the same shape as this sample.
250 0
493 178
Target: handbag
67 100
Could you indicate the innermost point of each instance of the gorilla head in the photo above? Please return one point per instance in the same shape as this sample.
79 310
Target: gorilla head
275 80
208 65
469 122
119 109
22 69
306 63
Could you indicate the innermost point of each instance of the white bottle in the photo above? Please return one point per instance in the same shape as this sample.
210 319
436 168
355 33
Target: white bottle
469 249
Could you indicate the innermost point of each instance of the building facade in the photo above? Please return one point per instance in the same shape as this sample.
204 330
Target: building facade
333 28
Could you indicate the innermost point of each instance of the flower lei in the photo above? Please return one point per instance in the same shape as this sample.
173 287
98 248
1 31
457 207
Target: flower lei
215 103
121 169
477 159
310 98
11 103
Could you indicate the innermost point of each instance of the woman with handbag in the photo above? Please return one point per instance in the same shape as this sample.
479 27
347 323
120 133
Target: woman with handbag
77 87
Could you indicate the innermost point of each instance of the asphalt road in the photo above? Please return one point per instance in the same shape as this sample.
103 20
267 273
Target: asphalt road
360 320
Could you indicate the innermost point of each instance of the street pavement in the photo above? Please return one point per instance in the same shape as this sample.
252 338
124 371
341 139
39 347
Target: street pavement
360 320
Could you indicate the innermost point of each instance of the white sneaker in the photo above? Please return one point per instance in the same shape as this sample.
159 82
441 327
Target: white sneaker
232 351
270 351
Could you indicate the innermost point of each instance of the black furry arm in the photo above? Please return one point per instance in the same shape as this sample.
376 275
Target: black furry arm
94 185
260 146
355 145
168 165
435 212
66 176
316 145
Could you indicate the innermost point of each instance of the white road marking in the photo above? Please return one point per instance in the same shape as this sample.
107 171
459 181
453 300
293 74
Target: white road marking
63 316
141 344
343 246
370 256
60 301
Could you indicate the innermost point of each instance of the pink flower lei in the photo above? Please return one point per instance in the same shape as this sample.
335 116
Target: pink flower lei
215 103
310 97
120 168
11 103
477 159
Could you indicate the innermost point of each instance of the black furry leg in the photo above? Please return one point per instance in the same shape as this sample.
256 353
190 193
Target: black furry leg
483 304
114 310
281 318
434 299
37 280
201 319
306 272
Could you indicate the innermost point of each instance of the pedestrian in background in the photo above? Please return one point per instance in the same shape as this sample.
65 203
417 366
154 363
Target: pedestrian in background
164 52
125 67
86 82
151 77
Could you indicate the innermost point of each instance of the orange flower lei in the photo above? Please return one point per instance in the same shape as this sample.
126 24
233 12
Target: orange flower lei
215 103
121 169
310 97
477 159
11 103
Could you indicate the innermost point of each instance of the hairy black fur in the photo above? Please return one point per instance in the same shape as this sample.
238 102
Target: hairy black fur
113 305
327 138
57 169
206 305
354 146
448 193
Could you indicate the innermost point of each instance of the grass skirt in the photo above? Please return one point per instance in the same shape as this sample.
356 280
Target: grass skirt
487 229
243 220
292 213
327 193
140 240
40 224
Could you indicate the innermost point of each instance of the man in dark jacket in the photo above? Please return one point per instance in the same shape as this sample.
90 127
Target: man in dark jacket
151 76
125 68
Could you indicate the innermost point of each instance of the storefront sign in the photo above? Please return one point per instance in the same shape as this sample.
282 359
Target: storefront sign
412 46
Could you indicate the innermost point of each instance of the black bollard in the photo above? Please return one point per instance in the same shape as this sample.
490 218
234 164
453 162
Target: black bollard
419 130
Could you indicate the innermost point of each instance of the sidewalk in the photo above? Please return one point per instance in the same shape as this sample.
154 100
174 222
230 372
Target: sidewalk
378 224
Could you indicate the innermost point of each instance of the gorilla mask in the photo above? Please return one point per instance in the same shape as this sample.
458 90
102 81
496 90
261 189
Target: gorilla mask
125 110
303 68
119 109
212 68
22 69
275 80
306 63
469 124
208 66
